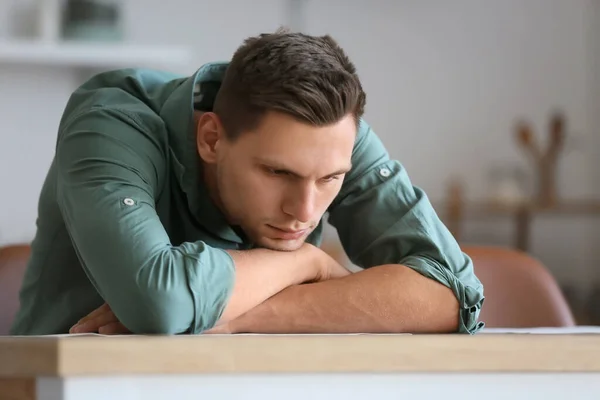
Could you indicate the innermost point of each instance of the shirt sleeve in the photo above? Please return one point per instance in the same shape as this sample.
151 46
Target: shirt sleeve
381 218
111 170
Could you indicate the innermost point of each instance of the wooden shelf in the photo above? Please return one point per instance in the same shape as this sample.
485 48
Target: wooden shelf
454 212
91 54
567 207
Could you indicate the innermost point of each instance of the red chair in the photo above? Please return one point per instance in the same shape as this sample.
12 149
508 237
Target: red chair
519 291
13 261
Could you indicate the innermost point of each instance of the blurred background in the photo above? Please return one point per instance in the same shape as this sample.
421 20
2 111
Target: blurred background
493 106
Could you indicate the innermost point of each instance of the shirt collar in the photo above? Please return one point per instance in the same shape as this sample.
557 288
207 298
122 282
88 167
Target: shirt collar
178 114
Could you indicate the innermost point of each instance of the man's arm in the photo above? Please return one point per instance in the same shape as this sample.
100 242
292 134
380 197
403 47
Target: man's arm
261 273
110 172
383 299
383 219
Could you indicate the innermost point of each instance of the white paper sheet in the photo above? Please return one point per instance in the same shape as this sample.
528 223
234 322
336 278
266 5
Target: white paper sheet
540 331
545 331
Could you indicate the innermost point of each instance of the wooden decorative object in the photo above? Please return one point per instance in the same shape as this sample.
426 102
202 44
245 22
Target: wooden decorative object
545 160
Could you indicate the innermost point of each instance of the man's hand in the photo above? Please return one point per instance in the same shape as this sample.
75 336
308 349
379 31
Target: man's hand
102 320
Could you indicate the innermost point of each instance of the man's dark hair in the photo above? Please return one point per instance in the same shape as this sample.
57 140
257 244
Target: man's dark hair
307 77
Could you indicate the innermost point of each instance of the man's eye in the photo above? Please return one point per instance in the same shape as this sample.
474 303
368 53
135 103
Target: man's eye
330 178
278 172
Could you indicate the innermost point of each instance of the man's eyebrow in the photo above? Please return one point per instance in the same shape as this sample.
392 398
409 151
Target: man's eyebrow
280 167
339 172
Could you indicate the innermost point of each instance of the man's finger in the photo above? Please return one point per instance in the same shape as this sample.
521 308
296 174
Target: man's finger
98 311
92 324
114 328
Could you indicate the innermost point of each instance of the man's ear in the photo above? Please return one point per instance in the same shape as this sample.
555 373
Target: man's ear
209 132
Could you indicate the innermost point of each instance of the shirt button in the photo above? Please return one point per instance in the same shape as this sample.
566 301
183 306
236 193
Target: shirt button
384 172
128 201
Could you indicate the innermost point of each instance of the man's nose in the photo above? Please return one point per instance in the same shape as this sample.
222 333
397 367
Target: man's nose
301 203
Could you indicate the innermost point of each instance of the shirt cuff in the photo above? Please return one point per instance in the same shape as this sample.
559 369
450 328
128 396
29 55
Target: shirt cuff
211 285
470 299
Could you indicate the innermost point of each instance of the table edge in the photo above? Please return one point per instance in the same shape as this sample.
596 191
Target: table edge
224 354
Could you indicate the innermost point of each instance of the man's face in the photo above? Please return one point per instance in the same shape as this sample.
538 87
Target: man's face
277 181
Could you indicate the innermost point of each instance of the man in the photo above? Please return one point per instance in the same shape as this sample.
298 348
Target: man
194 205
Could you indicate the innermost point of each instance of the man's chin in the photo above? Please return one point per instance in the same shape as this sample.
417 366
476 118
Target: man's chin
280 245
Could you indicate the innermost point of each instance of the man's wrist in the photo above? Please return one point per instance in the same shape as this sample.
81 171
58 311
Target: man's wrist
313 268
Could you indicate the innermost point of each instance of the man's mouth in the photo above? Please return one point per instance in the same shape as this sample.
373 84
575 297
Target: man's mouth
287 233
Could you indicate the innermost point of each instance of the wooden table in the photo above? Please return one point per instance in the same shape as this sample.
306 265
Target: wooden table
495 365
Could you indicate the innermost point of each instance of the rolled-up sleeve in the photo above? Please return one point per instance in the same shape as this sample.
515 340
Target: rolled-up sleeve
381 218
111 170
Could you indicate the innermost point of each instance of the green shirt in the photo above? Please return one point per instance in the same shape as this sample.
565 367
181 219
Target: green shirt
124 218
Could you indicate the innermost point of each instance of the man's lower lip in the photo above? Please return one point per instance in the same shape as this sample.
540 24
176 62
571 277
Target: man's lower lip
283 235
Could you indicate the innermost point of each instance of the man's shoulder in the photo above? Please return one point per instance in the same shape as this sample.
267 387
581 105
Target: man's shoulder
138 94
368 147
139 82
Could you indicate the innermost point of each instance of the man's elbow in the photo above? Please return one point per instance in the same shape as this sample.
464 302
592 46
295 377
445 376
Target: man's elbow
170 313
444 309
437 304
449 317
164 301
164 314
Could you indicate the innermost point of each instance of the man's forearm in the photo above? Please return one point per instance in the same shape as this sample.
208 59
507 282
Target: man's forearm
261 273
384 299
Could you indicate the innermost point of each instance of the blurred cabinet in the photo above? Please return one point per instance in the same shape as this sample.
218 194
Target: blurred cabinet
50 48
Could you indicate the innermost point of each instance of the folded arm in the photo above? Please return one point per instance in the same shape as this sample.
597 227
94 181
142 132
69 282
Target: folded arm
383 299
262 273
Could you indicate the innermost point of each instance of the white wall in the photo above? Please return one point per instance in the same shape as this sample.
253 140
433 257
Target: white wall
445 82
32 98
